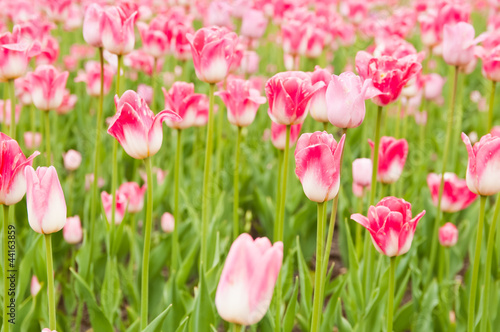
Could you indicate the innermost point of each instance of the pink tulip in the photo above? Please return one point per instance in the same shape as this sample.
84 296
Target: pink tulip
250 62
318 103
294 34
247 281
421 118
289 94
317 160
23 90
117 30
12 179
390 225
242 102
430 32
392 155
182 100
358 190
92 76
456 196
491 62
49 52
146 92
5 105
48 87
458 44
15 54
68 103
181 46
345 99
89 179
35 286
448 235
484 165
315 43
254 24
212 49
433 86
167 222
218 13
72 160
72 230
32 140
278 135
389 75
121 206
57 10
136 127
45 200
154 41
361 172
134 195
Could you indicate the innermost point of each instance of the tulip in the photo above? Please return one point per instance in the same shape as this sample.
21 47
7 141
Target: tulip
48 86
91 25
254 24
92 76
72 160
134 195
146 92
345 99
289 94
45 200
318 104
250 62
484 165
136 127
317 159
458 44
294 34
361 172
448 235
15 54
89 179
68 103
12 179
278 135
32 140
121 206
212 50
392 155
247 281
167 222
72 230
181 99
23 90
491 62
6 105
154 41
35 286
433 86
242 102
390 225
49 52
117 30
456 196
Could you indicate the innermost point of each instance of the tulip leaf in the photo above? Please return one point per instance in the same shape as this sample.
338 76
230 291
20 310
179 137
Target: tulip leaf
429 301
97 318
354 281
203 312
155 325
111 291
329 315
304 280
289 319
183 326
403 317
187 264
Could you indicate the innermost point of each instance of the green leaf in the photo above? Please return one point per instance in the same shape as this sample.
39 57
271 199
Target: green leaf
429 302
305 281
155 325
289 319
183 326
111 291
203 312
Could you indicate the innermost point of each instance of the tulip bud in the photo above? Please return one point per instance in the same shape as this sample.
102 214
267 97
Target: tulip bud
455 197
182 100
48 86
167 222
45 200
72 160
134 195
448 235
32 140
458 44
35 286
392 155
362 172
72 230
121 206
278 135
117 30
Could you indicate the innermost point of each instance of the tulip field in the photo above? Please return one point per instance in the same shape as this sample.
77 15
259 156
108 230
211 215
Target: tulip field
250 165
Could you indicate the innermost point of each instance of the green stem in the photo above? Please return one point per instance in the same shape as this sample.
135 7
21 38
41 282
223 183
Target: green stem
318 278
492 101
278 196
206 179
237 328
33 124
12 109
325 126
390 304
373 189
46 115
359 239
6 298
236 221
437 223
489 259
475 269
147 246
153 84
398 119
50 282
4 108
175 234
281 224
118 75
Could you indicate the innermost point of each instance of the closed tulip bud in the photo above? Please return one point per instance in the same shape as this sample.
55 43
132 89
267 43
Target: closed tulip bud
146 92
278 135
154 41
289 94
491 62
448 235
121 206
345 99
136 127
32 140
357 190
254 24
361 171
456 196
92 76
72 160
134 195
433 86
48 87
242 102
12 179
250 62
45 200
248 278
91 25
317 160
484 165
72 230
392 155
167 222
182 100
458 44
117 30
212 49
318 103
35 286
390 225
